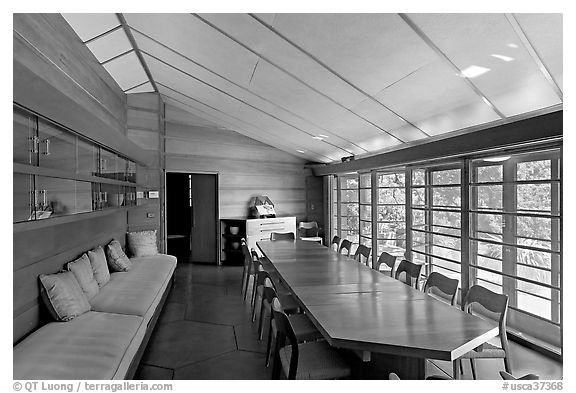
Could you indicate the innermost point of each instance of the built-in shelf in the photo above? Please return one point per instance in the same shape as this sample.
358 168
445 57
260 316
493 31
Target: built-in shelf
230 255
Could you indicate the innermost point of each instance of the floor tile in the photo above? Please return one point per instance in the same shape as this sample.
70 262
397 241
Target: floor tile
233 365
172 312
147 372
247 338
176 344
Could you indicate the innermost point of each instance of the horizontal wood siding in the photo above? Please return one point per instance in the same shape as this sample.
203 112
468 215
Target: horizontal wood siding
246 167
145 129
57 76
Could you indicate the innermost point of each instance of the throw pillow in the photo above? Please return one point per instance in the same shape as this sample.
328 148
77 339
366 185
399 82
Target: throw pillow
63 296
142 243
99 266
117 260
83 272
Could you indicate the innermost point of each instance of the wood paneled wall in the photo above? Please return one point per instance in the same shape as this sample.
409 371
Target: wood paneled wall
57 76
146 129
245 166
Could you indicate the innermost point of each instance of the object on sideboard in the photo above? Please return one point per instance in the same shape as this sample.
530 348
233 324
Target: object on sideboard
261 207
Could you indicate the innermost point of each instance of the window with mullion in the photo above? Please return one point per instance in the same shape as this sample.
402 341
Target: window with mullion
349 208
391 212
435 203
515 236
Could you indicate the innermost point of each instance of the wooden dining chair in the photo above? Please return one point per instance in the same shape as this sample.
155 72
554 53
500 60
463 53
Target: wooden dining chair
249 269
498 304
265 305
345 245
309 231
387 260
310 360
509 377
411 272
304 329
362 251
264 279
275 236
442 287
335 241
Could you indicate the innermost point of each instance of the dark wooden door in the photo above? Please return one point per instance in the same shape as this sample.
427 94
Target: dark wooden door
203 237
191 216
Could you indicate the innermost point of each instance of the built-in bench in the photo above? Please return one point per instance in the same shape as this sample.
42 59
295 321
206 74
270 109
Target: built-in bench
108 341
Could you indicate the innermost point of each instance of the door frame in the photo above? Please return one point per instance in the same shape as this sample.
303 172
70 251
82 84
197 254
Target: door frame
217 217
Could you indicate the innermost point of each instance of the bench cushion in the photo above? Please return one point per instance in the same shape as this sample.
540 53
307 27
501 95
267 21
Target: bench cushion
89 347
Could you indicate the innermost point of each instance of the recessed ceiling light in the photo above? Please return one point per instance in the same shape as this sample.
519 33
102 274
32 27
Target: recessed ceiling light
497 159
301 151
473 71
512 46
323 136
502 57
318 138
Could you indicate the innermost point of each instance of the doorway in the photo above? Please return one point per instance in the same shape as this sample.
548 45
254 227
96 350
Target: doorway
192 216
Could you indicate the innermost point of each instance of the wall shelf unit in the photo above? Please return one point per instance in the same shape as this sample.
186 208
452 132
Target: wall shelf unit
231 233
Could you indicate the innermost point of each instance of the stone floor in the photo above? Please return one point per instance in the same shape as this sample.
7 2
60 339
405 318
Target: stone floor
205 332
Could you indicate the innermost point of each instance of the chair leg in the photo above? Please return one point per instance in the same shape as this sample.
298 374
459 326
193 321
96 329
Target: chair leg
473 367
254 307
507 365
261 322
269 344
253 292
248 276
461 367
276 363
455 371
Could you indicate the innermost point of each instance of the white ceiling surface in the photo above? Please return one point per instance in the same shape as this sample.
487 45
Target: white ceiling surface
359 83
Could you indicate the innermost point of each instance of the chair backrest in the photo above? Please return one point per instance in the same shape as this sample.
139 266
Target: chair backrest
386 259
362 251
308 229
285 331
274 236
510 377
335 240
345 245
393 377
442 286
411 271
494 302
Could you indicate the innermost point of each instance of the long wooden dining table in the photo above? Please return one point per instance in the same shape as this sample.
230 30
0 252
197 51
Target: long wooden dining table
357 308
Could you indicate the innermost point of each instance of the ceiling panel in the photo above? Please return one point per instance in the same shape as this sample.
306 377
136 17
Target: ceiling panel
88 26
545 34
189 36
178 63
437 100
370 50
144 88
191 87
513 83
286 57
110 45
127 71
244 124
388 121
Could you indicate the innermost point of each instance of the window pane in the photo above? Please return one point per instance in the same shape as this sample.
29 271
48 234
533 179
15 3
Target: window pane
534 197
418 197
396 196
534 170
418 177
22 187
492 173
366 212
391 180
451 176
487 197
348 182
391 213
365 180
446 196
349 196
365 196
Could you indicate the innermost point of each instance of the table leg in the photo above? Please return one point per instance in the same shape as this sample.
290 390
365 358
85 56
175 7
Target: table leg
455 369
